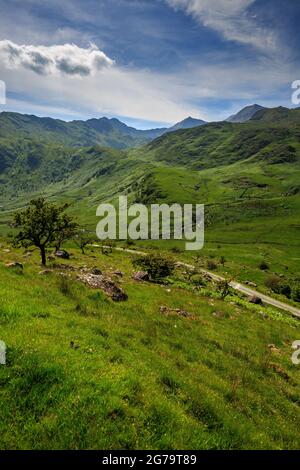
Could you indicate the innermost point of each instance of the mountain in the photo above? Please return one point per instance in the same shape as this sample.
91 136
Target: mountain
103 131
277 115
245 114
187 123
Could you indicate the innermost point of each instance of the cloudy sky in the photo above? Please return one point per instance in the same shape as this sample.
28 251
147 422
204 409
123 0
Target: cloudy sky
148 62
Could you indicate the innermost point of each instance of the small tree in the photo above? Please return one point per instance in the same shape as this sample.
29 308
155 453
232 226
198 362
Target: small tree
84 238
224 288
158 266
41 224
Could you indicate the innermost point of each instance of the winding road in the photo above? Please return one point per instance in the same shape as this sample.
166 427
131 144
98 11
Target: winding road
235 285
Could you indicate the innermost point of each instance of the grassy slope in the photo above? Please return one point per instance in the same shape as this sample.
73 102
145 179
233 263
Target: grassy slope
137 381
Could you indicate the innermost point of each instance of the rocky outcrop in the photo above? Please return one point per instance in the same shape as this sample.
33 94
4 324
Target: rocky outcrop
104 283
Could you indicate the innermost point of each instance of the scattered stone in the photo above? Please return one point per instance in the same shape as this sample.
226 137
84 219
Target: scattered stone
96 271
73 345
107 285
255 300
274 349
14 265
251 284
6 250
45 272
141 276
118 273
218 314
175 311
62 254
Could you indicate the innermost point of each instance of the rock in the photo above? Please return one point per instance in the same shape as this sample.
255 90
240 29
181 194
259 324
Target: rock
175 311
45 272
73 345
62 254
14 265
274 349
118 273
6 250
107 285
28 254
251 284
96 271
141 276
255 300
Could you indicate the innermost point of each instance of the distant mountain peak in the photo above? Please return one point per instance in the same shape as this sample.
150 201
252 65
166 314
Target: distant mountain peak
187 123
246 113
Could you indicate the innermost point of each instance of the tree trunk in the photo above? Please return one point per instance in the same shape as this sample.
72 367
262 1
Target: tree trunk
43 255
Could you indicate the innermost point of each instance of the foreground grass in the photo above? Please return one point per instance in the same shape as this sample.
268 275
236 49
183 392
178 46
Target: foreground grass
136 378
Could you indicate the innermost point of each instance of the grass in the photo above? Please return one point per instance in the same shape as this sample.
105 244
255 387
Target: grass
135 378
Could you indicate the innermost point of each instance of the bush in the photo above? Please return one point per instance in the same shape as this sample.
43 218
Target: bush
264 266
158 266
286 290
296 294
278 286
273 282
212 265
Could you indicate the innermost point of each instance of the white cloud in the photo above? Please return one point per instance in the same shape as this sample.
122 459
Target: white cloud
231 18
66 59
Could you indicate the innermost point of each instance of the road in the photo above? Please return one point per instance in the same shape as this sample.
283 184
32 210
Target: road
235 285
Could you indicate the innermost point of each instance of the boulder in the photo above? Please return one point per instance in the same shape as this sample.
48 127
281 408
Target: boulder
105 284
62 254
141 276
255 300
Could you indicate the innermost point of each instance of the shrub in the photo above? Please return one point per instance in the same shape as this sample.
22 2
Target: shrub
278 286
158 266
224 289
286 290
212 265
264 266
296 294
273 282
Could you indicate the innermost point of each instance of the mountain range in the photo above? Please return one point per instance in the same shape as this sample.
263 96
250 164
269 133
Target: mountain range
106 132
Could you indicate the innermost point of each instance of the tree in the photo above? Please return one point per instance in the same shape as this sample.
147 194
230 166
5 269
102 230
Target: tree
83 239
41 224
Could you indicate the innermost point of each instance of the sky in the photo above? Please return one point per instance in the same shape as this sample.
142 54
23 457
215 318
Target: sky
149 63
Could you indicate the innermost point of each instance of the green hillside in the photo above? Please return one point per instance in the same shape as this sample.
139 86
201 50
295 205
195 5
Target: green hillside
210 372
84 372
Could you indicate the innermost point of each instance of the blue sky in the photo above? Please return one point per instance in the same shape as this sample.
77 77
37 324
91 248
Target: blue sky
151 62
